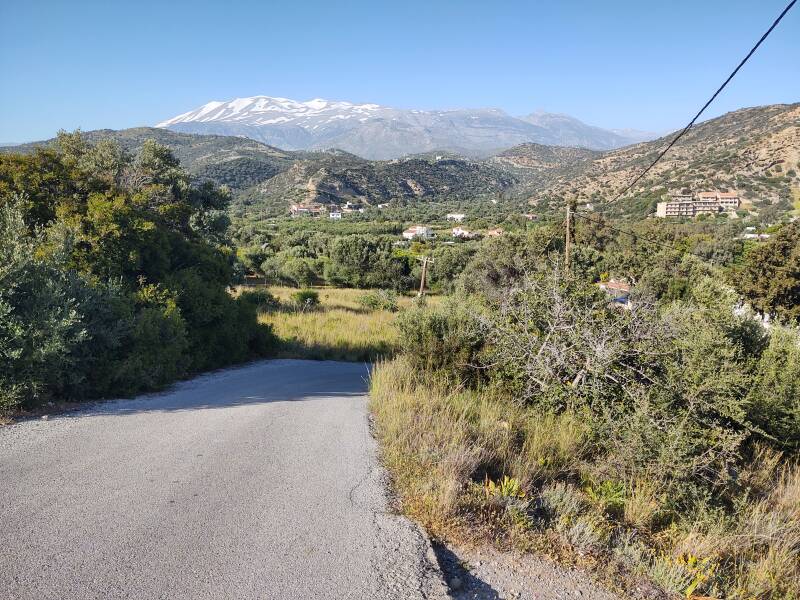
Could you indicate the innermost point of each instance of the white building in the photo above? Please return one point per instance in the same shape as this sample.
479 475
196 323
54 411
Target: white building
457 217
351 207
464 234
704 203
306 210
422 232
335 215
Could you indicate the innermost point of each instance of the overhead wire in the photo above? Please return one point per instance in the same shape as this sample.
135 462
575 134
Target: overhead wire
707 104
680 135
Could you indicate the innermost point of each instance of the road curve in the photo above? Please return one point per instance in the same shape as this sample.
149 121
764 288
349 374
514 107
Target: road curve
255 482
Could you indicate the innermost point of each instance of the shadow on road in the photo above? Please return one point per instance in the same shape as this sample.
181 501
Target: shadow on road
255 383
470 587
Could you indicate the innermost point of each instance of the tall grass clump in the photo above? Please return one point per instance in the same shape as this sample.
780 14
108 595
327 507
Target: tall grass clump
439 439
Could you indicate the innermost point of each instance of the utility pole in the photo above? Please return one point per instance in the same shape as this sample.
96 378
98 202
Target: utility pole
571 206
424 260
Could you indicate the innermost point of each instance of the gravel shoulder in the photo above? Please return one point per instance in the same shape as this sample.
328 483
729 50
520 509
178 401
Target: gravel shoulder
489 574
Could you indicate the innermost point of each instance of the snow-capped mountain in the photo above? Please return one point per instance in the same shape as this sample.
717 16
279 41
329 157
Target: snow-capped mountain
381 132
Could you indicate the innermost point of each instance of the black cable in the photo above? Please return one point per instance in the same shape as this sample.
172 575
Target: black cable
706 105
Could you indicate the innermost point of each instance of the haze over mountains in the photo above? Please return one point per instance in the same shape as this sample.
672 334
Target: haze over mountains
379 132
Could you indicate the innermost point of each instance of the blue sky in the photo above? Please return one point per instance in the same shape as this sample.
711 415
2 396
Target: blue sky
641 64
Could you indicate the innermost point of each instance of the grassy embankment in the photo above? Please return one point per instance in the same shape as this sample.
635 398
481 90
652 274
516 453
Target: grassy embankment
339 328
473 466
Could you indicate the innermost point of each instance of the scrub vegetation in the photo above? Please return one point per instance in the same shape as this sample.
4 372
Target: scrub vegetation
655 440
114 275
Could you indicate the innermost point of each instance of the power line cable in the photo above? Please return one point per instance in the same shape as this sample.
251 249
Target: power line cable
630 233
706 105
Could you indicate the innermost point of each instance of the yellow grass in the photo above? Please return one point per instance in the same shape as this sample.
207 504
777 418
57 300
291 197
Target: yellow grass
442 444
436 438
339 329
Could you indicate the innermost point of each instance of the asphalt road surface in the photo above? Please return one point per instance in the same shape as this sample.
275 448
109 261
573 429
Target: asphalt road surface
255 482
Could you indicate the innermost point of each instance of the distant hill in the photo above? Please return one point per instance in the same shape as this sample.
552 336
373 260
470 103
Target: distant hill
233 161
335 179
753 150
259 174
381 132
569 131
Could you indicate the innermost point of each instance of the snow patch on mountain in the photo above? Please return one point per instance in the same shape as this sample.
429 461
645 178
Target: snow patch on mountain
381 132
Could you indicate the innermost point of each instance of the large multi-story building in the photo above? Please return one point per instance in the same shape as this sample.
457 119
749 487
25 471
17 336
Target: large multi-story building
703 203
729 200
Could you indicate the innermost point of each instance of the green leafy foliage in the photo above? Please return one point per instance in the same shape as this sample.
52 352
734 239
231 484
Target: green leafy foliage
689 405
114 274
380 300
770 277
306 298
445 338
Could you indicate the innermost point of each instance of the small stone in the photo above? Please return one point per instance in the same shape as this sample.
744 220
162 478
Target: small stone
45 417
456 583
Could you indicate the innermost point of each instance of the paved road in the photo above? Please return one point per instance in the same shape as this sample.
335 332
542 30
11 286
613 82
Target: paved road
256 482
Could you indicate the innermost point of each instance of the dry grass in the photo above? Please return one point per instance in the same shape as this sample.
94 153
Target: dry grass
438 440
756 554
441 442
340 328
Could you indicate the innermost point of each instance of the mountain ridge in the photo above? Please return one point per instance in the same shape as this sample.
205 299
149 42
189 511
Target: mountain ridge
753 150
380 132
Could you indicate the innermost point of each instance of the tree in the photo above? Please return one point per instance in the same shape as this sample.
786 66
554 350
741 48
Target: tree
770 278
115 267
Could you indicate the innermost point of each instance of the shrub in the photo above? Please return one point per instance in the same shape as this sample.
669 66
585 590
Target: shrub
305 299
261 300
113 274
380 300
447 338
775 396
559 499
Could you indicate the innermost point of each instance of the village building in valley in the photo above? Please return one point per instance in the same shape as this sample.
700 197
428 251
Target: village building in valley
702 203
306 210
420 232
464 234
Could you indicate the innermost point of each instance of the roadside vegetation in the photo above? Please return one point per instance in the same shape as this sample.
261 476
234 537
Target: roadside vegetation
657 443
654 437
114 272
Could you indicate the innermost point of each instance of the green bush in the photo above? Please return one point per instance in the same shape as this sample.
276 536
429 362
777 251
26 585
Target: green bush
379 300
113 275
261 300
306 298
449 338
